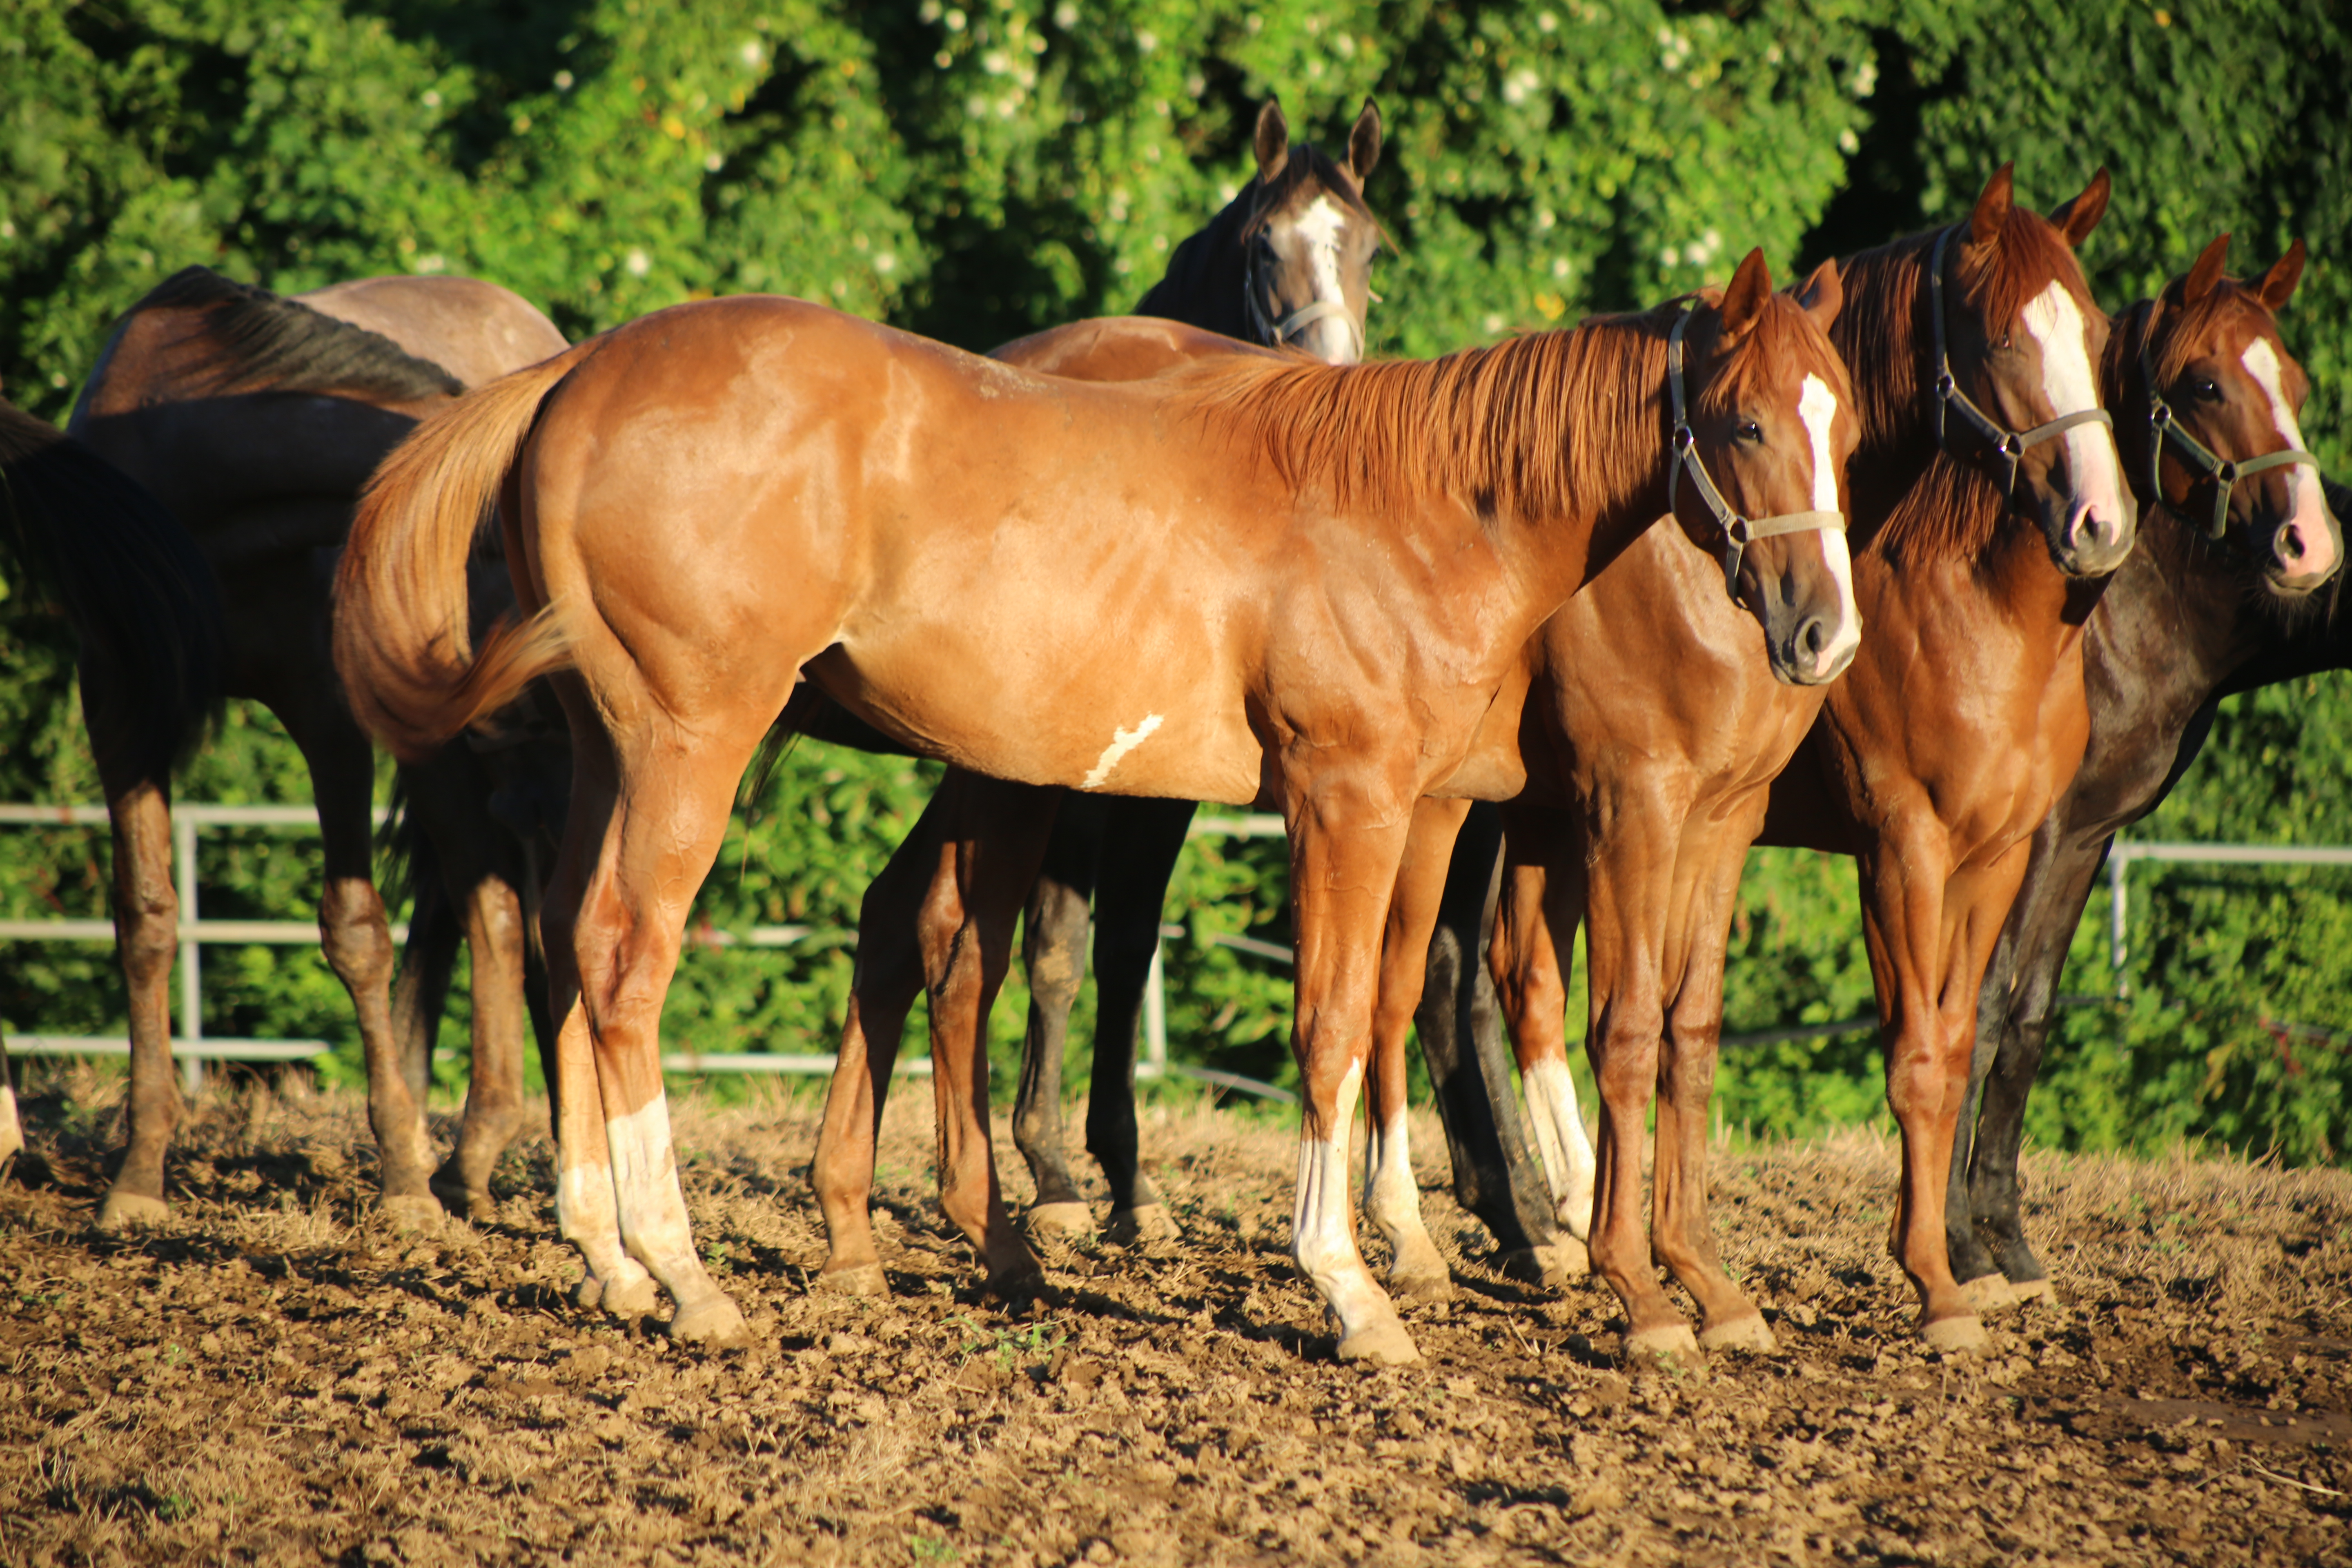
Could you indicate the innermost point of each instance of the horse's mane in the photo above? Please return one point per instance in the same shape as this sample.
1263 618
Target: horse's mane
255 340
1886 334
1538 427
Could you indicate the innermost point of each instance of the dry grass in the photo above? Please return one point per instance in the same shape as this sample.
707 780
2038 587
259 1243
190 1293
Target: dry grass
280 1378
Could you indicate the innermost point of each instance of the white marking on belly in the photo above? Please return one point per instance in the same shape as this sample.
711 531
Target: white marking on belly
1124 742
1817 406
2262 363
2055 321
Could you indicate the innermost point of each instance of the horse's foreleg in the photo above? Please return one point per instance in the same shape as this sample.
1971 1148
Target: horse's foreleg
995 837
1709 874
888 978
1469 1054
147 936
12 1130
2032 953
1054 951
1141 845
1541 906
1417 1271
1347 839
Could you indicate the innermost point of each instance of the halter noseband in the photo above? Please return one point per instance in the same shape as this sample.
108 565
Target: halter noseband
2010 443
2162 427
1739 533
1275 334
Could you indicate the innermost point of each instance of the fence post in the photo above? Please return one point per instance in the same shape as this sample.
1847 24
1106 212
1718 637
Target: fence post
192 984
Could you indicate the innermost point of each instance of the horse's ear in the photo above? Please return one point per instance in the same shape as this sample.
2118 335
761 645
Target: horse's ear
1823 294
1743 302
2277 286
2208 271
1364 142
1273 142
2077 217
1992 207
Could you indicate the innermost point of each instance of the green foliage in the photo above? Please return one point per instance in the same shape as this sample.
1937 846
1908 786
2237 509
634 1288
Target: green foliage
981 170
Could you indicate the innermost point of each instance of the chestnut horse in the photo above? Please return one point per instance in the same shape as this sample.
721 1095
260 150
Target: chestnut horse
2236 535
139 600
903 943
256 420
1255 581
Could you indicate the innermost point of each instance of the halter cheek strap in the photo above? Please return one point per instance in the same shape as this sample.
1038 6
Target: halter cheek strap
2006 443
2164 429
1739 533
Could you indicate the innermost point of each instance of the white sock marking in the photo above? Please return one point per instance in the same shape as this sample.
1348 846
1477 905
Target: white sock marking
653 1226
1393 1197
2262 363
1817 406
2056 323
1320 1236
1121 742
1563 1143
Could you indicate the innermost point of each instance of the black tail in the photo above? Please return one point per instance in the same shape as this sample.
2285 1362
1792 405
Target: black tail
139 594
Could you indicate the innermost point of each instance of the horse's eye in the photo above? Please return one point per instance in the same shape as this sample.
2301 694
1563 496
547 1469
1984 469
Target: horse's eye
1750 430
2000 344
2205 390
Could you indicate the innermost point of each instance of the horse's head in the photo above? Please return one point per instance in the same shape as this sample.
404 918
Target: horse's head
1765 420
1311 238
2018 335
2207 395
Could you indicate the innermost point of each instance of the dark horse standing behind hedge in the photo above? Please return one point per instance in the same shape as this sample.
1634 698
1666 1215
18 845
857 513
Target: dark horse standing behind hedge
2220 598
141 601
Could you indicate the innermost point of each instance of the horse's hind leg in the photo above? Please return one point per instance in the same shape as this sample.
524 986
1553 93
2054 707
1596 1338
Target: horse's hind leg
1053 951
1679 1224
1417 1271
1141 844
1541 905
147 934
428 960
994 835
888 978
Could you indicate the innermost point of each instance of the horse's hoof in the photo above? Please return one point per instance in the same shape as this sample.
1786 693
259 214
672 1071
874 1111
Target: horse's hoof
854 1279
638 1298
1423 1287
404 1213
1552 1267
588 1293
1988 1294
1955 1336
1144 1222
1746 1333
717 1322
133 1211
2023 1290
1059 1219
1384 1343
1015 1281
1669 1348
466 1203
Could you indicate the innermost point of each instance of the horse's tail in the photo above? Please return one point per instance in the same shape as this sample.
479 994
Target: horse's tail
401 640
140 595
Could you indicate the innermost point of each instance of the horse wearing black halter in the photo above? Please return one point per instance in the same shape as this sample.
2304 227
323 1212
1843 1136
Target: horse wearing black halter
2220 598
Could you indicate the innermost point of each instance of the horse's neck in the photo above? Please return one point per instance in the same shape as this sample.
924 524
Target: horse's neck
1204 283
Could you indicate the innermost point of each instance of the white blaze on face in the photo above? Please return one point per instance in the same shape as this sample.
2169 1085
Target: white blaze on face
1817 406
1121 742
1319 228
2055 322
2305 514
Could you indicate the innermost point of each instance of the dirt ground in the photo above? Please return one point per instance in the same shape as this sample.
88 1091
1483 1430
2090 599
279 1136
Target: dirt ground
279 1377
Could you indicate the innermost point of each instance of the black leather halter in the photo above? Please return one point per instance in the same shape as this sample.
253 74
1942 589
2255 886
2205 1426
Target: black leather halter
2005 442
1738 531
2163 428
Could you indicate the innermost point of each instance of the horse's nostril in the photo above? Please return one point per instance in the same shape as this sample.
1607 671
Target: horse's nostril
1814 636
2290 544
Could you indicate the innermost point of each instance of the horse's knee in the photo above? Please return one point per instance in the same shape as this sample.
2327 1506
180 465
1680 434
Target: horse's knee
355 934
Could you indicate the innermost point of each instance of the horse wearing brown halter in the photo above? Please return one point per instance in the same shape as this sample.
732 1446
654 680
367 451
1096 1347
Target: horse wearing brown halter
139 600
2236 538
256 420
1253 582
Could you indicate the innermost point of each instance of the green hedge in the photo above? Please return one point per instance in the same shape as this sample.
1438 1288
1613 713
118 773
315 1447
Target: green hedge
978 171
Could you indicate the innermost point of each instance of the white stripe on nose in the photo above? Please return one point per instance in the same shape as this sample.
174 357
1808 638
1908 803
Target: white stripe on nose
1817 406
2305 502
2055 322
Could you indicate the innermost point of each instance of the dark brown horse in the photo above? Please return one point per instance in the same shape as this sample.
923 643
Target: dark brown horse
2235 537
909 937
1987 510
1253 582
256 420
139 600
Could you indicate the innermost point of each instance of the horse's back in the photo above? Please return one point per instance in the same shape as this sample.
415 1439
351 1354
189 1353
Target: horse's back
476 330
1119 348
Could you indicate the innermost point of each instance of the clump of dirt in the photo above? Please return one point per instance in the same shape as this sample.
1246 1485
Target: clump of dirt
278 1376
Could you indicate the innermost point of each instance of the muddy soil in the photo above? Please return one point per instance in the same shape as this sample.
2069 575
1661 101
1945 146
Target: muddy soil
277 1377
